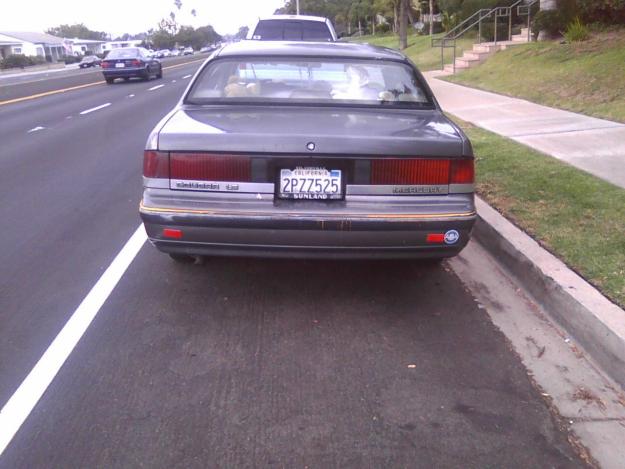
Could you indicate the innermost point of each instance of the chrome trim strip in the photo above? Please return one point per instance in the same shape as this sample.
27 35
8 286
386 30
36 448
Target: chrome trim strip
396 189
155 183
461 188
221 186
389 216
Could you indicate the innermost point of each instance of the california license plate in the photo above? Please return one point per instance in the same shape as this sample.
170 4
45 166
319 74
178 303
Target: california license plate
310 183
120 65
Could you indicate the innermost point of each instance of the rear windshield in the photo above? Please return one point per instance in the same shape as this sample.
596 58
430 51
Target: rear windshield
308 81
125 53
281 30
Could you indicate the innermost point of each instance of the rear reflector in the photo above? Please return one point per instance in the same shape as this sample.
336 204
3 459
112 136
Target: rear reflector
155 164
171 233
208 167
422 171
435 238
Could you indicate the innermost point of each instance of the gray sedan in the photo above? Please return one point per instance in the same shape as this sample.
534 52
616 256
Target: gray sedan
308 150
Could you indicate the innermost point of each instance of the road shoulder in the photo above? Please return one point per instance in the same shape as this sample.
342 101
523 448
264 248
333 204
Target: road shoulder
587 404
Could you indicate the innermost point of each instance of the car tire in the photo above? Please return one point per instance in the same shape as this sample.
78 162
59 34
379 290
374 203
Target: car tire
110 80
182 258
160 73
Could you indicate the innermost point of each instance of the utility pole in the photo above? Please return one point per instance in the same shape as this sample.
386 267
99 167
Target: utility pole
431 17
297 6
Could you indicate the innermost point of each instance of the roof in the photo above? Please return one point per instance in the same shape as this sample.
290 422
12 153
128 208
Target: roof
84 41
310 49
35 38
294 17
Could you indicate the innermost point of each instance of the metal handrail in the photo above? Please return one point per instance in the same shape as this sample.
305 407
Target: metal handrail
449 39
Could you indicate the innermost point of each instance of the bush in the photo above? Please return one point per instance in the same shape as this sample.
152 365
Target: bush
20 61
602 11
576 31
488 31
548 21
70 59
382 28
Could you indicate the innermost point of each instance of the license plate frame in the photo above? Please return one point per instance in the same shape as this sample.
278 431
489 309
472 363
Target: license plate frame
310 183
120 65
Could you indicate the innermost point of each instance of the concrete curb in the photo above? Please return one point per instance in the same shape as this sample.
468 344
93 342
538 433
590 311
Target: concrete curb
590 318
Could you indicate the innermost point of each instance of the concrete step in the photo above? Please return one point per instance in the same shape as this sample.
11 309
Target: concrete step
481 56
519 38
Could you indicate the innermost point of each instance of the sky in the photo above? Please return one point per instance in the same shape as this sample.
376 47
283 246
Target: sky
131 16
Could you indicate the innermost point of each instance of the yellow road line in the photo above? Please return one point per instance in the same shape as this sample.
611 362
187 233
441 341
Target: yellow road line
48 93
63 90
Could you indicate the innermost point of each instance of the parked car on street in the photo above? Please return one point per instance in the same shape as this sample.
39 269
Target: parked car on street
308 150
162 53
293 28
187 51
174 52
89 61
130 62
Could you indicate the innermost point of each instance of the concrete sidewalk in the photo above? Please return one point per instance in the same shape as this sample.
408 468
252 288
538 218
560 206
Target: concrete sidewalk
594 145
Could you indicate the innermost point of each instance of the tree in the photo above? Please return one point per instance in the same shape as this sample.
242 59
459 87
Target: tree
242 32
403 24
78 30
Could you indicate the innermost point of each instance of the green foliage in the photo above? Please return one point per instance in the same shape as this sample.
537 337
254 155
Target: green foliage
450 21
549 21
576 31
20 61
488 31
163 39
78 30
602 11
383 28
70 59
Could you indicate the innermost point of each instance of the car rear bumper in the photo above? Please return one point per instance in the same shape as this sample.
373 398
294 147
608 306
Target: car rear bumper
383 236
125 72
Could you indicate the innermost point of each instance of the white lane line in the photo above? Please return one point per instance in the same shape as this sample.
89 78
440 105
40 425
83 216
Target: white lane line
173 81
35 129
97 108
155 87
22 402
186 76
131 95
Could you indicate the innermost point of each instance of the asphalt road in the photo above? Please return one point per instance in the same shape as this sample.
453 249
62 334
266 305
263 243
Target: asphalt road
237 362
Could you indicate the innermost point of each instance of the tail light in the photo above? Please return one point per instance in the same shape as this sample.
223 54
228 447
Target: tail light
155 164
462 171
105 64
208 167
422 171
196 166
136 63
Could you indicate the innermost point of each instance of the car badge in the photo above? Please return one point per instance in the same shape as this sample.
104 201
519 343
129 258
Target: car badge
451 237
310 146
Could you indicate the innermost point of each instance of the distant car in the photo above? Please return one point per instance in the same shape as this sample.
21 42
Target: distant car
174 53
308 150
130 62
187 51
207 49
89 61
162 53
293 28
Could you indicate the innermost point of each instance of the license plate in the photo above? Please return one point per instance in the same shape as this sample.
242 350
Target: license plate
120 65
310 183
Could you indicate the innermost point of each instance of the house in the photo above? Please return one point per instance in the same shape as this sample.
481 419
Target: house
107 46
85 46
29 43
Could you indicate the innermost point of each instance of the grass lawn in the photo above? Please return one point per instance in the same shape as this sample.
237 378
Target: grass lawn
576 216
419 50
586 77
